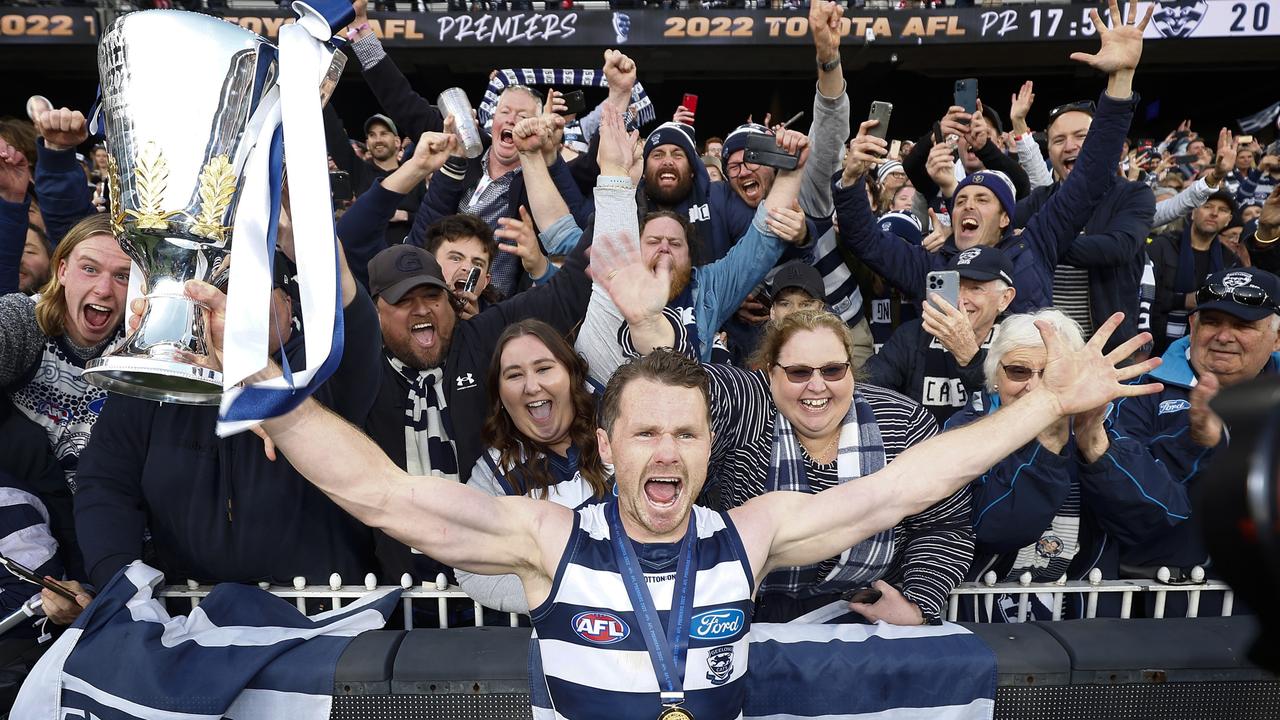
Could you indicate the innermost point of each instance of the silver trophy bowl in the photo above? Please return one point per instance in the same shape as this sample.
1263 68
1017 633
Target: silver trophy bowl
184 96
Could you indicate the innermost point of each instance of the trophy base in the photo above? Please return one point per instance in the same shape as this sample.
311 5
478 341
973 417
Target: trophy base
156 379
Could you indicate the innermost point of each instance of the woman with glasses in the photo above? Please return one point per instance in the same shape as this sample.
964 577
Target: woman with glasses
1064 503
801 423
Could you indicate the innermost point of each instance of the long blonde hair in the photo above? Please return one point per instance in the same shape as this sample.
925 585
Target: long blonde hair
51 309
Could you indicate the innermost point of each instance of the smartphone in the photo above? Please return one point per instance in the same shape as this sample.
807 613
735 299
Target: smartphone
1185 159
30 576
690 102
895 149
863 595
966 95
340 186
880 111
473 277
1245 140
575 102
945 283
763 150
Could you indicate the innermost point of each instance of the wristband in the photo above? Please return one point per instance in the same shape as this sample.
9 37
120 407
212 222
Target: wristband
1258 238
829 65
614 182
354 32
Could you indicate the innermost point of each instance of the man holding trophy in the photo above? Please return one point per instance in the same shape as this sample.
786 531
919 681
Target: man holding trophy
222 187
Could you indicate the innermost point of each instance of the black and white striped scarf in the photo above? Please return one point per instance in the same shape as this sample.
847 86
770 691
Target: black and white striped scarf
428 449
642 112
861 453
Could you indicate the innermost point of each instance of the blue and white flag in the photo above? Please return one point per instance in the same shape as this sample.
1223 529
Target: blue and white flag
801 670
243 654
1261 119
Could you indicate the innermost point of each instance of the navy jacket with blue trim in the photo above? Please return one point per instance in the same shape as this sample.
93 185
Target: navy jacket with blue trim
1017 498
1160 423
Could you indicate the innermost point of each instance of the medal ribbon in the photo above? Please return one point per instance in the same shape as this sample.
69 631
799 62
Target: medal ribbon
667 650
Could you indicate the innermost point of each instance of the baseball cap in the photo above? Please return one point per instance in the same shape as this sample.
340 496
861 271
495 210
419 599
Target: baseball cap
1225 196
380 118
401 268
983 263
1247 293
799 274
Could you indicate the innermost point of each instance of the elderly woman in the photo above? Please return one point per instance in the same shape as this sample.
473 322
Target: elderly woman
1063 503
540 435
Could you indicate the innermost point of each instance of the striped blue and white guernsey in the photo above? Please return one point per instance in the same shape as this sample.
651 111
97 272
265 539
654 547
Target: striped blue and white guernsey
592 650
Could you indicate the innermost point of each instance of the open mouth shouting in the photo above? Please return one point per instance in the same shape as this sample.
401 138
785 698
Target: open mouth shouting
97 317
750 190
663 491
540 411
1069 162
424 334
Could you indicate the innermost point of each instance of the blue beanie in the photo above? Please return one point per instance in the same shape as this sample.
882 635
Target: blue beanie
993 180
904 225
673 133
737 139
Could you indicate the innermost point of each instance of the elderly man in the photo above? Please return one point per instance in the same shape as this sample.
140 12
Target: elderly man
1233 339
937 359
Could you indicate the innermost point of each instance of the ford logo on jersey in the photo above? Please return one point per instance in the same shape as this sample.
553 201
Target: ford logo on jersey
1173 406
600 627
717 624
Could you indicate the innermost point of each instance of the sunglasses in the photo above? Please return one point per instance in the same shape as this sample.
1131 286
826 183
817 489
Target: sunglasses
1019 373
1084 106
831 372
1247 295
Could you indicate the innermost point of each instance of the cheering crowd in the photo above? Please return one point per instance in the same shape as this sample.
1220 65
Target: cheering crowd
838 296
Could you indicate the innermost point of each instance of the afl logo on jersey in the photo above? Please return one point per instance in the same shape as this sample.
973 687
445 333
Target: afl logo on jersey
600 627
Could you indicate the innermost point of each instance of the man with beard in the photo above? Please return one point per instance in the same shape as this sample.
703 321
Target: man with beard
432 398
983 205
382 141
701 297
1182 260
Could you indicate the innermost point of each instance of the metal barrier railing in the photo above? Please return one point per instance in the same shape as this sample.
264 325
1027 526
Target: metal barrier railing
447 597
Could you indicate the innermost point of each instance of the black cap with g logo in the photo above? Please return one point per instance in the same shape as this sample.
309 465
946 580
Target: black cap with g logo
401 268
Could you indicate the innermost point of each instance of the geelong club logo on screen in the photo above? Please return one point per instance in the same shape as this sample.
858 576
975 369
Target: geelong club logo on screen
600 627
1179 19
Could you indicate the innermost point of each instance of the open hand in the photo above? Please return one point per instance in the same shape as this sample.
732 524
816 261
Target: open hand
639 292
1082 380
616 153
1020 106
1121 43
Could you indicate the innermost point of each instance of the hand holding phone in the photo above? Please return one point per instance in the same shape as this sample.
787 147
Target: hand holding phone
690 102
764 150
966 94
473 278
26 573
880 112
945 284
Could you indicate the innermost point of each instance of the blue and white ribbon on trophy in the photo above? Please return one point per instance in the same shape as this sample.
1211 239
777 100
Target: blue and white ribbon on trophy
292 121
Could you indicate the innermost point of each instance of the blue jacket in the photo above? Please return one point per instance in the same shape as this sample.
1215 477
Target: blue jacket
1045 241
1110 246
1160 423
13 240
1017 498
62 189
216 509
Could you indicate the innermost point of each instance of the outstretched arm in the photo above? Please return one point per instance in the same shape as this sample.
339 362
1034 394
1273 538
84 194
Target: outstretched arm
786 529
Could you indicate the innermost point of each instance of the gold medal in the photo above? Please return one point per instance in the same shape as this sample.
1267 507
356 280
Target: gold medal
674 712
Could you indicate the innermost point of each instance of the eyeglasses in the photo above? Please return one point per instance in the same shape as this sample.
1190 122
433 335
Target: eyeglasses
1248 295
1084 106
736 169
1020 373
831 372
